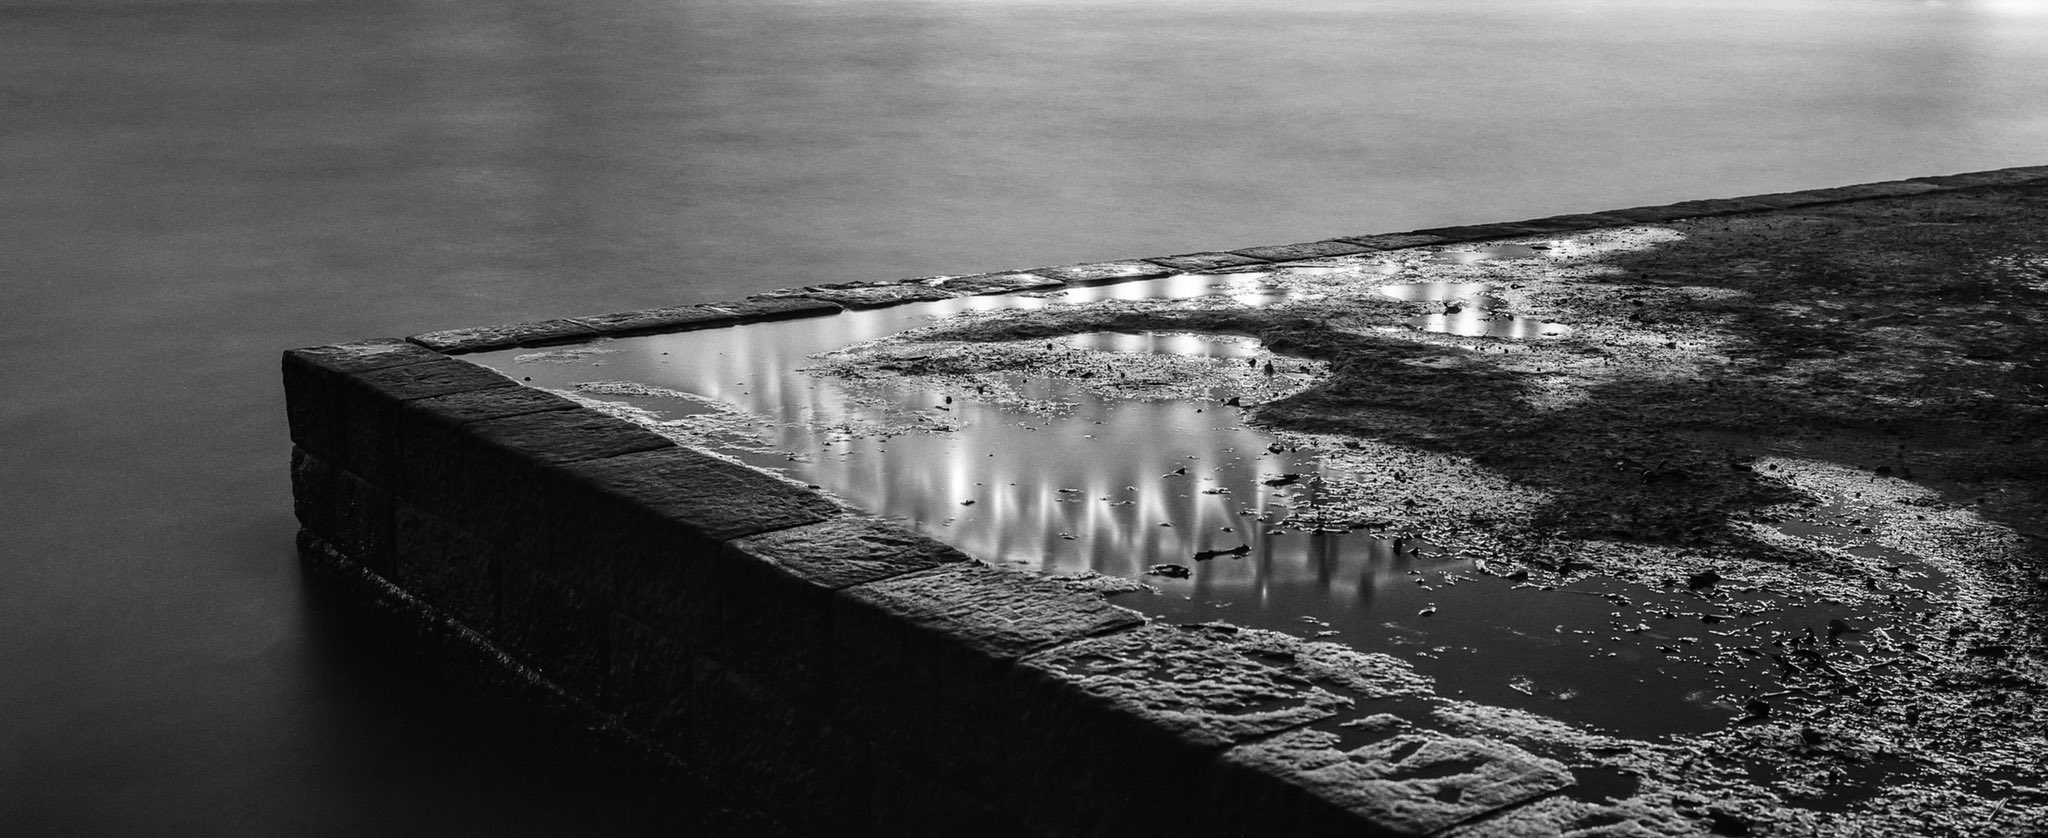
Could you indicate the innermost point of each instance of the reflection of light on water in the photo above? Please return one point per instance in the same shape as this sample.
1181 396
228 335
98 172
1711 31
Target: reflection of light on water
901 450
1469 311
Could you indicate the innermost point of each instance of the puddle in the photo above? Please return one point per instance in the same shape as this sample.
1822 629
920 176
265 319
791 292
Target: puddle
1488 254
1470 309
1076 474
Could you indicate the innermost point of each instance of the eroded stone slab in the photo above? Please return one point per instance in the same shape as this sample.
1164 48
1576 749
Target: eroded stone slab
480 338
1303 250
1394 241
878 296
670 319
761 308
1207 260
1217 685
996 283
1095 272
1414 783
720 499
847 551
997 612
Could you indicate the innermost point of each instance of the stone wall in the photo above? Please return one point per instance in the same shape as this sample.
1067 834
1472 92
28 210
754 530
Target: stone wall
844 674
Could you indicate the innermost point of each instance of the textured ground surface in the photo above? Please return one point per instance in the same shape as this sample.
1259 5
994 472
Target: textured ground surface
1844 404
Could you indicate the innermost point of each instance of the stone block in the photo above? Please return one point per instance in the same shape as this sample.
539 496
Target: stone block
651 678
372 403
775 590
347 513
878 296
919 662
806 772
458 409
1414 783
1097 273
1146 712
1572 223
1394 241
554 628
644 531
999 283
311 376
447 567
1303 250
1206 261
490 474
506 336
653 320
1480 232
762 308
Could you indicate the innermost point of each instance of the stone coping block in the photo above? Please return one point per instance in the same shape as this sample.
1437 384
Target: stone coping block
706 609
1096 273
999 283
1302 250
482 338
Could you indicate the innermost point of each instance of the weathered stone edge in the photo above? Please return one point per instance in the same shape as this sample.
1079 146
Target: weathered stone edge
780 647
816 300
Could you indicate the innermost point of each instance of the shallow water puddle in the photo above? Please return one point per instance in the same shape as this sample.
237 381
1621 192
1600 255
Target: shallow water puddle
1470 309
1123 458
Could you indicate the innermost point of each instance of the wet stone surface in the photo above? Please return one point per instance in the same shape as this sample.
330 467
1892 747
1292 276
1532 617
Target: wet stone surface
1748 546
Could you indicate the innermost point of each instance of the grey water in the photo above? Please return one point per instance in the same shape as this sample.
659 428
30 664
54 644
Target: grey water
191 186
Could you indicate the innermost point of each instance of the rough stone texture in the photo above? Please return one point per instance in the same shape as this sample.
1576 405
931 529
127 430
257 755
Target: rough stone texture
762 308
670 319
1414 783
999 283
1564 223
353 516
877 296
1004 695
1205 261
482 338
313 375
1147 711
446 566
1100 272
1475 232
777 589
555 628
643 531
479 405
1211 685
372 404
1562 815
1303 250
1394 241
918 662
487 474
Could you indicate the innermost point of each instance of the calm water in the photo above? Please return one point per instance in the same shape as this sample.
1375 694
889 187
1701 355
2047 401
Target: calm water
191 186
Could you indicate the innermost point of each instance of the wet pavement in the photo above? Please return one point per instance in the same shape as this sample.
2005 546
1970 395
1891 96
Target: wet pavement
1715 586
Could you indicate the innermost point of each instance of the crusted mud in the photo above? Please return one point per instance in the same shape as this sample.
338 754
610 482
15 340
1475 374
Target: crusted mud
1838 410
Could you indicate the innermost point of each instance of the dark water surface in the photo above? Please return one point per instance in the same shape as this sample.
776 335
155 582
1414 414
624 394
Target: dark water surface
188 187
